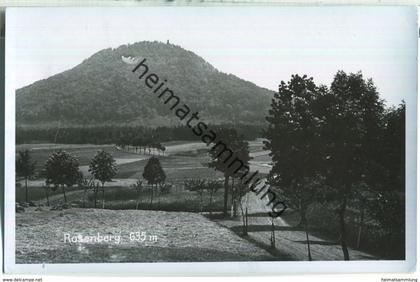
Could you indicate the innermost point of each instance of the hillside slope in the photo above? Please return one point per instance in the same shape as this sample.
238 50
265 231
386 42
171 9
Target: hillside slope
103 90
177 237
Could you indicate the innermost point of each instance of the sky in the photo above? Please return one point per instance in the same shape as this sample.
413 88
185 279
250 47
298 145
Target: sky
264 45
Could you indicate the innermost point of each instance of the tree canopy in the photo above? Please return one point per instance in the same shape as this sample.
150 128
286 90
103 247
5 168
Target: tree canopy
153 172
337 145
25 167
103 166
62 168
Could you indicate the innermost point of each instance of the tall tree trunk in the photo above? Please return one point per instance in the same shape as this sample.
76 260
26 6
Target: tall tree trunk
84 196
307 238
225 199
48 195
341 214
201 199
361 223
273 235
103 196
246 220
26 189
158 192
302 212
138 199
234 200
64 193
302 209
244 215
95 195
151 197
211 201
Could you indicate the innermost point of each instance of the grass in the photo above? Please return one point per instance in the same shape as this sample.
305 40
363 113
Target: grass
114 254
179 166
125 198
84 153
178 199
182 164
180 237
176 167
38 193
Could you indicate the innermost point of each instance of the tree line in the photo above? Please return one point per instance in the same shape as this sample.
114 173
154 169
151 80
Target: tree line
61 170
118 134
339 146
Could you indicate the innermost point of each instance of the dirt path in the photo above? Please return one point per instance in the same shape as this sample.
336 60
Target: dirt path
289 240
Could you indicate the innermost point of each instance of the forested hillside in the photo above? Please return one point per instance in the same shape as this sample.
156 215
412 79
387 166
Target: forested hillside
102 90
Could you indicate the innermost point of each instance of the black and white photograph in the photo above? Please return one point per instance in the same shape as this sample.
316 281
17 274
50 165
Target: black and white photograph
268 138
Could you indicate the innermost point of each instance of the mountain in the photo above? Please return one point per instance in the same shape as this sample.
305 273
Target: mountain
104 90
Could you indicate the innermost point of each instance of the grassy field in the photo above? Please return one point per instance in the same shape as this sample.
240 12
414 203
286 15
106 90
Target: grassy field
169 237
178 166
120 198
84 153
185 160
39 193
182 163
182 236
178 199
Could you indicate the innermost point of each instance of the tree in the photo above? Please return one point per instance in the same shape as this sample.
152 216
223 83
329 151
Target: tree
361 195
242 197
86 184
165 188
388 209
388 206
154 174
352 115
197 185
62 169
212 187
240 189
223 154
95 187
103 168
139 187
25 168
293 137
393 149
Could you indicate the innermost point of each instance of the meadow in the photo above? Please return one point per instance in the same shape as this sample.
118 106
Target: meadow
185 160
180 163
